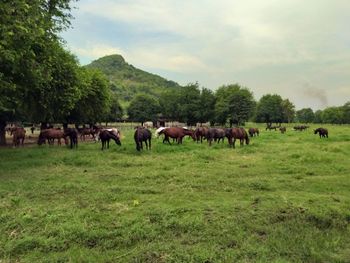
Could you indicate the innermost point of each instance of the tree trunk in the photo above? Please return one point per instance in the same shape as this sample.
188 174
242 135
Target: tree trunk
2 133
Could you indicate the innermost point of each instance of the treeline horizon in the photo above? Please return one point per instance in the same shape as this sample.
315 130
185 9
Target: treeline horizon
42 82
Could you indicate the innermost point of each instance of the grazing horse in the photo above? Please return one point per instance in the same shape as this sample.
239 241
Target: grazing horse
107 135
18 136
270 127
322 132
283 129
158 131
87 131
72 133
253 132
200 133
238 133
215 134
50 135
142 135
176 133
300 127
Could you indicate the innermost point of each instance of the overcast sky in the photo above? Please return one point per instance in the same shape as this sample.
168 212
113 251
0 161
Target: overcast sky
296 48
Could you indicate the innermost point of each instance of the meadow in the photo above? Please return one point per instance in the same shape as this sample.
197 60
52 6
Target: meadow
283 198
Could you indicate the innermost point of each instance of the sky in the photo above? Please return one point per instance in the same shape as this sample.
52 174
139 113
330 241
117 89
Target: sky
295 48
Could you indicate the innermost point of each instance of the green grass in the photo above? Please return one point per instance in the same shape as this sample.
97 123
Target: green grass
283 198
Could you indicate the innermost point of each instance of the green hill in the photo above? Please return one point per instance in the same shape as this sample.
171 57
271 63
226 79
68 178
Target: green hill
127 80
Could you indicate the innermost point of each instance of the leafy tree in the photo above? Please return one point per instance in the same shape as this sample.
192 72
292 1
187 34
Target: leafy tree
116 110
206 106
305 115
288 109
270 109
332 115
346 113
234 104
29 33
94 102
318 117
170 105
189 104
143 108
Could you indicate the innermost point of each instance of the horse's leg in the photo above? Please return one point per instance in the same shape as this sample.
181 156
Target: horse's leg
149 141
146 144
234 141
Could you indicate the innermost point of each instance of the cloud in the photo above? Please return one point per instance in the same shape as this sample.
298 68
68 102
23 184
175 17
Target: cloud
269 46
316 93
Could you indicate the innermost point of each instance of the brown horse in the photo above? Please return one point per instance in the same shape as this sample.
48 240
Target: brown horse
50 135
322 132
200 133
253 132
176 133
240 134
283 129
18 136
87 131
107 135
142 135
73 136
216 134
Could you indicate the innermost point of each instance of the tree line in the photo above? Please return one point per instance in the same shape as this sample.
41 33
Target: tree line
42 82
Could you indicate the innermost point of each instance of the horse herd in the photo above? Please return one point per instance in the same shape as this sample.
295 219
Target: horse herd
144 135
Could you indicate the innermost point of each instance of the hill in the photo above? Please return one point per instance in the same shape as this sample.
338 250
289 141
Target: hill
127 80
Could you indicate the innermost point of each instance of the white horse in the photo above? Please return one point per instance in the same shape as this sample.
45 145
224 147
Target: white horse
158 131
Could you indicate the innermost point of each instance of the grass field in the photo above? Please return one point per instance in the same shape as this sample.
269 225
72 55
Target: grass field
283 198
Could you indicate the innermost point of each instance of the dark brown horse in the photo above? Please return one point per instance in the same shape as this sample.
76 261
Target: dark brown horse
176 133
50 135
215 134
253 132
18 136
142 135
240 134
200 133
283 129
107 135
72 133
322 132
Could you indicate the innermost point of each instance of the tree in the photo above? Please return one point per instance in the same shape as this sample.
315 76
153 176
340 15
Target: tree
116 110
143 108
288 109
95 98
29 31
305 115
270 109
318 117
234 104
206 106
346 113
332 115
189 104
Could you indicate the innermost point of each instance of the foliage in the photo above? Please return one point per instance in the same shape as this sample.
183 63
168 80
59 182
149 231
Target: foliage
270 109
206 106
288 109
94 103
332 115
128 81
305 115
318 117
234 104
28 48
143 108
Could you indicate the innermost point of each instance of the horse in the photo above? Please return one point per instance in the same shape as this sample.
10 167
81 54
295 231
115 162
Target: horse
322 132
238 133
107 134
50 135
72 133
18 136
200 133
272 127
300 127
253 132
142 135
176 133
283 129
217 134
87 131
